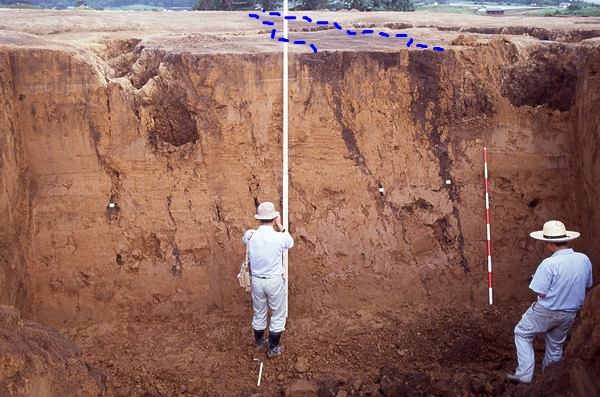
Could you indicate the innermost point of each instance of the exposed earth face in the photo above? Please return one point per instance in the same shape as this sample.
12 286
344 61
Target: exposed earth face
136 146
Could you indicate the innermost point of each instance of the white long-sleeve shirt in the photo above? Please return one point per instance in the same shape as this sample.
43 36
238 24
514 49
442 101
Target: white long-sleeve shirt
265 250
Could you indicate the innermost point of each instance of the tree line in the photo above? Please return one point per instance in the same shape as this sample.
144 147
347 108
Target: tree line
304 5
294 5
229 5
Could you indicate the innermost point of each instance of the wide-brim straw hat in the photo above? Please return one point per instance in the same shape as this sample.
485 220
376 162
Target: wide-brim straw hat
266 211
554 231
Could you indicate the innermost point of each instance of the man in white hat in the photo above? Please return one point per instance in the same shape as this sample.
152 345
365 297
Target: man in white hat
560 282
265 249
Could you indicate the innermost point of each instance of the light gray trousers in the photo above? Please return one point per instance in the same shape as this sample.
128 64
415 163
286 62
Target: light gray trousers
269 293
538 320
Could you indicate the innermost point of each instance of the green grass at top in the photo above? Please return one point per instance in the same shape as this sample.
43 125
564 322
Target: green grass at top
20 6
446 8
136 7
561 12
585 11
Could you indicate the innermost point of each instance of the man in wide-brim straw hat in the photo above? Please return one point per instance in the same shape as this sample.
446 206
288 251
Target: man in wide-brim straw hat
560 282
265 249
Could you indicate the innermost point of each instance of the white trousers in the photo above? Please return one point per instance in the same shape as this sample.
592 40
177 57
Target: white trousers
269 293
539 320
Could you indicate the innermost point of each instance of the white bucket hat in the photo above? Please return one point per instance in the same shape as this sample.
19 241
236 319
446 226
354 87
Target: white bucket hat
266 211
554 231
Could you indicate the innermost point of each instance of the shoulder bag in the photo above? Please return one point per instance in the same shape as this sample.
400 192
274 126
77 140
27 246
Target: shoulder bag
244 275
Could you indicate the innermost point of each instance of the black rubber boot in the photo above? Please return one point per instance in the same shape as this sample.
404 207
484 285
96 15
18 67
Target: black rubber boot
274 348
259 337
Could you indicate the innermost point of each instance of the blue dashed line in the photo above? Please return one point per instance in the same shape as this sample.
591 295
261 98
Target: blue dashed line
337 26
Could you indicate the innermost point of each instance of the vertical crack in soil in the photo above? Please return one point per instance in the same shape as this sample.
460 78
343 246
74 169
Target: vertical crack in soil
112 212
254 189
424 281
177 268
424 74
350 139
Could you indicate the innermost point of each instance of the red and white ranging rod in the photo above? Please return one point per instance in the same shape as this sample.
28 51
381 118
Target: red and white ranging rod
487 221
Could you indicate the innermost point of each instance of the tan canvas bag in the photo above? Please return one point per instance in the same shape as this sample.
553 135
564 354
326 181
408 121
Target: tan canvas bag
244 275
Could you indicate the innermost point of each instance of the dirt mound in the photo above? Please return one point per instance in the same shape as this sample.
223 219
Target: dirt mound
38 361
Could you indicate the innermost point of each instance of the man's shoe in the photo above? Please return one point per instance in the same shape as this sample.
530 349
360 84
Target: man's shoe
259 337
274 348
516 379
277 350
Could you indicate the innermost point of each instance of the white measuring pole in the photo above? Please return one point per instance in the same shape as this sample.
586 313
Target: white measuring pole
487 222
285 146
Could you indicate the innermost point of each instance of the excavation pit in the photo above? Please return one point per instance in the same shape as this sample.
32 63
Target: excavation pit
136 147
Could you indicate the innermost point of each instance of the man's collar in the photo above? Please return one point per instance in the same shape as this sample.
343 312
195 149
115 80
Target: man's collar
563 251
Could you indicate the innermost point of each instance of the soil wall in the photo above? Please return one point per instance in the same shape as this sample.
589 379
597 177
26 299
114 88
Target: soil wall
131 170
586 127
14 198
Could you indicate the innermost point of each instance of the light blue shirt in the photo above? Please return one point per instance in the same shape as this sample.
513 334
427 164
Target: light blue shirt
563 278
265 250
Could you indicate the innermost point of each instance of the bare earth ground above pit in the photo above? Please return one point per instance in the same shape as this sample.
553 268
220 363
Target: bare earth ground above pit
237 32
